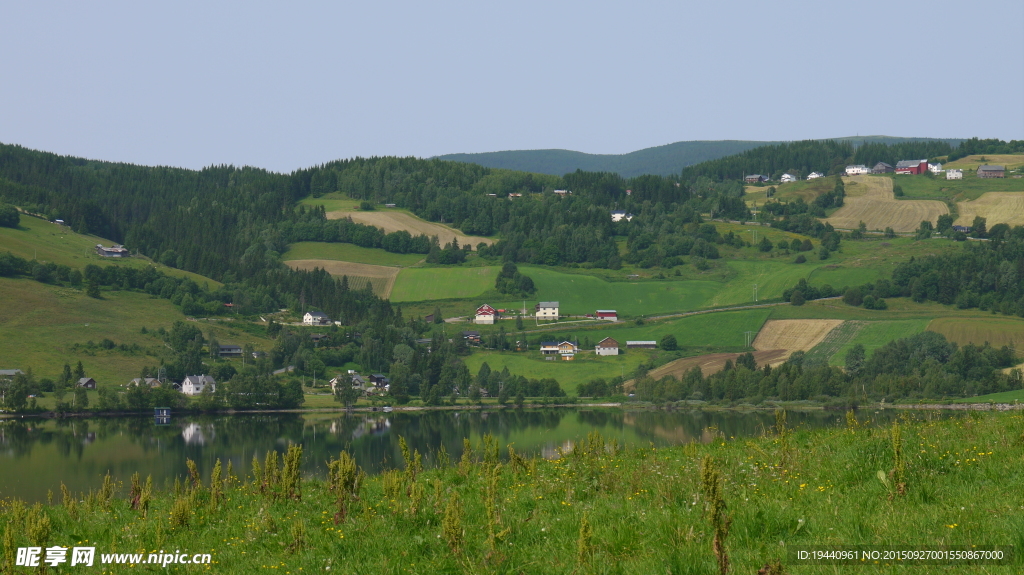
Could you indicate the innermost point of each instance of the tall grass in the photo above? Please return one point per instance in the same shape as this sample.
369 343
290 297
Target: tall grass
731 506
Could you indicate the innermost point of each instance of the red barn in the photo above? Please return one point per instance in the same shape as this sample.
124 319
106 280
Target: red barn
608 314
911 167
486 314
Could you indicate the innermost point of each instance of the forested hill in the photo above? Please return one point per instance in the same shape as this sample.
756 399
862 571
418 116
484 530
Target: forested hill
664 160
659 160
825 156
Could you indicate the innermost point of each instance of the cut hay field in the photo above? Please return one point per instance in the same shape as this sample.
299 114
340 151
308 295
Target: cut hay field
995 207
48 242
871 200
425 284
1011 161
349 253
791 335
711 363
939 188
771 276
382 278
998 331
391 220
834 341
875 334
40 324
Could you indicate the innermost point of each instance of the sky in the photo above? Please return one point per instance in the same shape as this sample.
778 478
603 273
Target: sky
284 85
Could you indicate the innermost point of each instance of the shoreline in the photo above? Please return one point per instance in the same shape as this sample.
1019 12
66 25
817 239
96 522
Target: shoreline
980 406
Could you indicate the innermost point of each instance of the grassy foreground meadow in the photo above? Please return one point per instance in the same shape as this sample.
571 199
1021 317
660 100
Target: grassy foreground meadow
926 481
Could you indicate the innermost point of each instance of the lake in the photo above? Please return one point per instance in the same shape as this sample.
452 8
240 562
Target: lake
36 455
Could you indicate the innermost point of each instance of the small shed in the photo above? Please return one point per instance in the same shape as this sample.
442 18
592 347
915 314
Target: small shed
882 168
87 383
608 314
230 351
642 345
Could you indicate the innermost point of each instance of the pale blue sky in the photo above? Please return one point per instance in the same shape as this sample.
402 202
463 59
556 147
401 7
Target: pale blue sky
284 85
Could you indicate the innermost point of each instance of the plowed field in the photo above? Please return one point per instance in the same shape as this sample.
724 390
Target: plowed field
995 207
393 221
713 363
381 277
870 200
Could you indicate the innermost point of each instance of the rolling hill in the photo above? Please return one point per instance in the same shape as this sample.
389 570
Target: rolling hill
660 160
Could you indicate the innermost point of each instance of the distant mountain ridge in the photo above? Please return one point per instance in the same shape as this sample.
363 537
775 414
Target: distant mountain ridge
659 160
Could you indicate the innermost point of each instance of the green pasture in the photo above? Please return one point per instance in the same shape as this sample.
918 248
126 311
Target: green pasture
41 324
709 331
580 294
875 334
790 191
424 284
939 188
39 239
585 367
331 202
348 253
1014 396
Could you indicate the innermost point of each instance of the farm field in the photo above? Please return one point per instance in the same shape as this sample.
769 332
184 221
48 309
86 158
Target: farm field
580 294
997 331
995 207
939 188
791 335
834 341
332 202
349 253
1011 161
875 334
807 190
39 239
392 220
382 278
569 374
710 363
771 276
49 320
871 200
424 284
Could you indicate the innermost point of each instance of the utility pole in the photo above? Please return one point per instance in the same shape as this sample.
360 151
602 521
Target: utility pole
755 292
755 235
748 335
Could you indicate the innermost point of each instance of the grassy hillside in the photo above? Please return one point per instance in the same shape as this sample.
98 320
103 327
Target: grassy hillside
39 239
348 253
41 325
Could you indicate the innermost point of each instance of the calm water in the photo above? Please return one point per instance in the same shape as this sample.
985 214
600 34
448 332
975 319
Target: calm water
37 455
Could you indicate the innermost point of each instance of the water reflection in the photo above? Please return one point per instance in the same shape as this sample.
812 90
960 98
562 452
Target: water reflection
37 455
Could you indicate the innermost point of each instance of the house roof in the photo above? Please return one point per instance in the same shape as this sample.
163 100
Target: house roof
991 169
607 342
606 311
645 342
86 380
198 379
548 304
486 310
470 334
316 314
10 372
230 347
883 165
549 344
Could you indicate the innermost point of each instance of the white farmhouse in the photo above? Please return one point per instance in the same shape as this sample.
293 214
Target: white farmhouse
315 318
814 175
954 174
195 384
786 178
858 170
547 310
935 168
